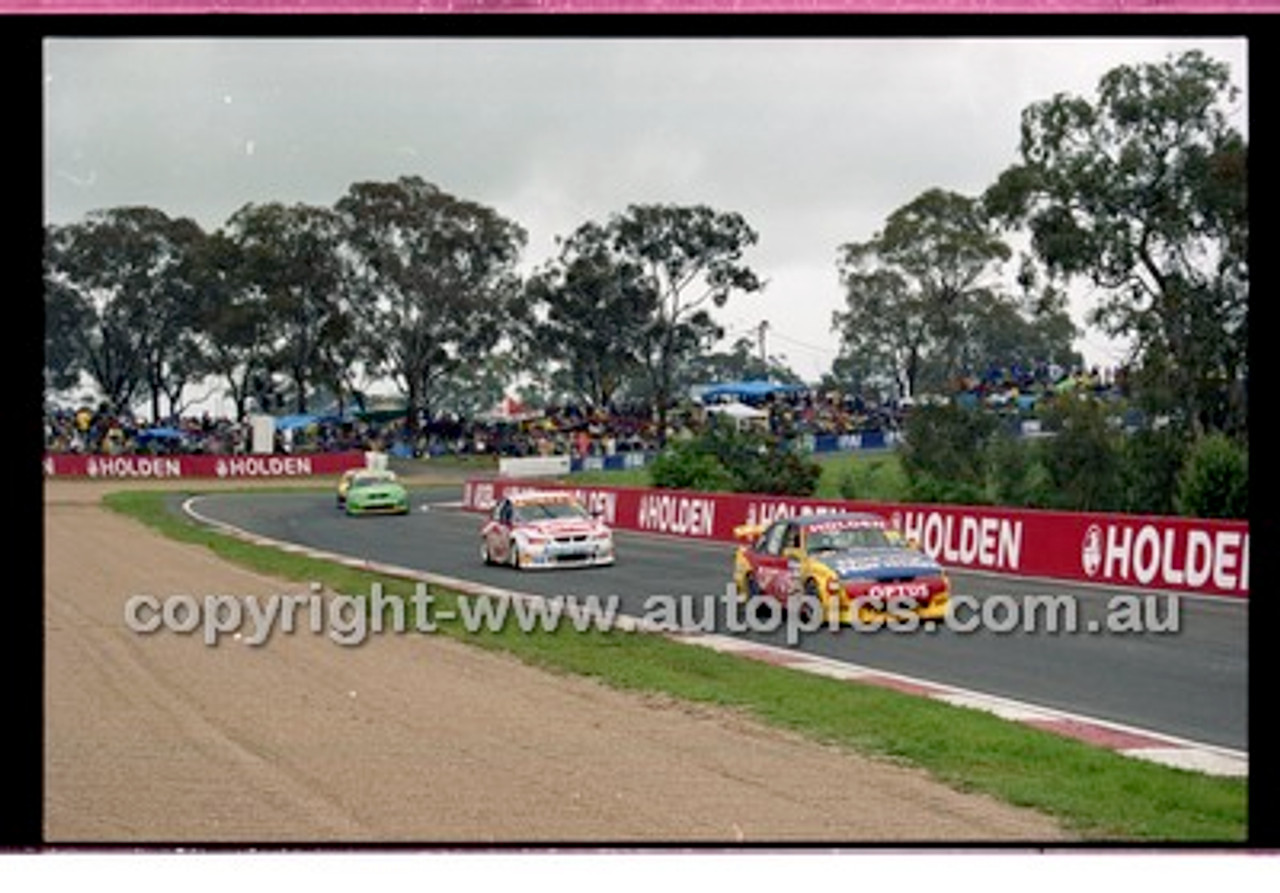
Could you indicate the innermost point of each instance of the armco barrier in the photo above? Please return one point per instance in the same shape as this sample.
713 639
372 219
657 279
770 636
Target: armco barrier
194 466
864 440
1168 554
534 466
616 462
811 443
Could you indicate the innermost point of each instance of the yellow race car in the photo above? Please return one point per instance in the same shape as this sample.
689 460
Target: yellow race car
857 569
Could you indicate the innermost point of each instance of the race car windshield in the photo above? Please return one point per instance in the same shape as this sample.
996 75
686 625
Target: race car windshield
848 538
541 511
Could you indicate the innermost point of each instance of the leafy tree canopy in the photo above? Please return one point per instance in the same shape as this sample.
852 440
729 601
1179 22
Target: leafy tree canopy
1143 192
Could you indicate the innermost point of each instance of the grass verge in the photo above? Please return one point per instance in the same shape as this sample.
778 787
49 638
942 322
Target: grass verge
874 475
1095 794
623 477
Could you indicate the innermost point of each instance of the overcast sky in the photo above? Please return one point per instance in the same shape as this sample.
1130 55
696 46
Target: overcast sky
814 142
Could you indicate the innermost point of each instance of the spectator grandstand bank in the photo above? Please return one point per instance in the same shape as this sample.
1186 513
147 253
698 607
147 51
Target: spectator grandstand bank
613 436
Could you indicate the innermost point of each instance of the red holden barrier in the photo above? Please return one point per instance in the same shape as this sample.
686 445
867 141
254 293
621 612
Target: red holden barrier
1177 554
184 466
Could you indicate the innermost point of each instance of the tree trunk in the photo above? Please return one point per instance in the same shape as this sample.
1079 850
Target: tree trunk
300 382
154 386
415 404
239 395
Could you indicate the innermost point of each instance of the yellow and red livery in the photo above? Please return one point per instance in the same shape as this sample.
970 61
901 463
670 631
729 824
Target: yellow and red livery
857 568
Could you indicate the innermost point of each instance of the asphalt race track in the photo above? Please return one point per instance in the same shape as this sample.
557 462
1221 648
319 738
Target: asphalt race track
1192 683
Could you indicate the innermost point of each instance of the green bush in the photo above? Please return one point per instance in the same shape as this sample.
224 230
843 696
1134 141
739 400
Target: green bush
869 476
861 480
723 458
926 487
1150 463
1214 481
685 466
1016 473
945 452
1083 458
779 472
956 455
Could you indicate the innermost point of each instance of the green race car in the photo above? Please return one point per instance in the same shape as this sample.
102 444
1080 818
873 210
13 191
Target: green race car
375 493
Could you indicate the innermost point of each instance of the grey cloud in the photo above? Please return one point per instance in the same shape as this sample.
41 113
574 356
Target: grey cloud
815 141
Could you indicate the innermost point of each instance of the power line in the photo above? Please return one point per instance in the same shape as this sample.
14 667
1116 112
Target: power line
798 343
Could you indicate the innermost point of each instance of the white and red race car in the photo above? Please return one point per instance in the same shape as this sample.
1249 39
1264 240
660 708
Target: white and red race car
544 530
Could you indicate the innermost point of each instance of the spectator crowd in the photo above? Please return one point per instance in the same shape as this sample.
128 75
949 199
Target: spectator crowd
566 429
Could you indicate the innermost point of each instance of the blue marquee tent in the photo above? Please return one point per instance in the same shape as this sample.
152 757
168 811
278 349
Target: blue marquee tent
749 390
288 422
160 434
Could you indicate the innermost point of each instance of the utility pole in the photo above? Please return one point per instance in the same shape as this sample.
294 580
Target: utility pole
764 356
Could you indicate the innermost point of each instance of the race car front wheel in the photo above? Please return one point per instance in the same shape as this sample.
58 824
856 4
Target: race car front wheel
757 602
806 607
513 554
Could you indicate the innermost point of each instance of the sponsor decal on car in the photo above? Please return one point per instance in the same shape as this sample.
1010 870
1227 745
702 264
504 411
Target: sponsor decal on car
865 563
845 524
765 513
899 590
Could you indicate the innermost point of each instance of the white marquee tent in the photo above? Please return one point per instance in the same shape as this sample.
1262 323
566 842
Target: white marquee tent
742 414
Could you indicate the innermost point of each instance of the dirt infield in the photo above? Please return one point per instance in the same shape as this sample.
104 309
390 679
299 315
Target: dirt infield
407 738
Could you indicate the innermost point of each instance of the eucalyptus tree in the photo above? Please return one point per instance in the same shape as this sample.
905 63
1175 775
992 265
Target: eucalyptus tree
1143 193
68 317
689 259
1008 332
884 330
472 390
235 324
914 291
741 362
289 277
123 278
429 280
586 307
